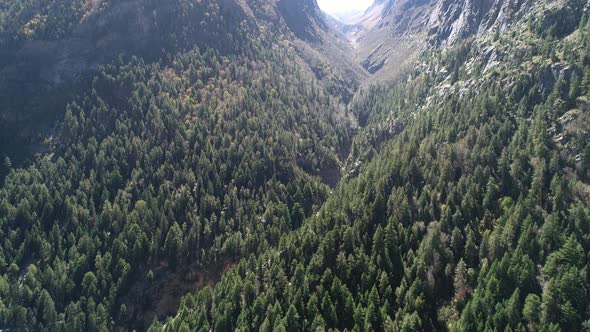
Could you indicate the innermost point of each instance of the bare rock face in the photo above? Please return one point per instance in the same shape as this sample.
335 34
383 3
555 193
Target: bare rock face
392 33
454 20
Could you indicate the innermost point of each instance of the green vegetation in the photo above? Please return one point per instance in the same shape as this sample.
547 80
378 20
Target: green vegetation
473 218
38 20
202 159
470 211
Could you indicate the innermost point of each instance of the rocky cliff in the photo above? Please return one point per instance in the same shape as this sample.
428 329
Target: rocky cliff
391 33
453 20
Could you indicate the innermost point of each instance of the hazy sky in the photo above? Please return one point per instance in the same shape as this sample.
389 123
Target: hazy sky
339 7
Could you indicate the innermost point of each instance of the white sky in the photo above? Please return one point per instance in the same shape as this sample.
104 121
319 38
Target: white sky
340 7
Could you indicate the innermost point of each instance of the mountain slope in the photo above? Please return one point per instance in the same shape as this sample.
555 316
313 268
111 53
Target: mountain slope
203 142
473 218
41 70
208 176
392 33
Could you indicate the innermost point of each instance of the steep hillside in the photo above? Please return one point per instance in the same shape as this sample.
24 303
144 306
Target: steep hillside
323 47
473 217
50 56
51 50
391 35
198 133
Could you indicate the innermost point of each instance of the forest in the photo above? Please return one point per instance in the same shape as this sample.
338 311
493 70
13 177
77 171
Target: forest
457 199
474 218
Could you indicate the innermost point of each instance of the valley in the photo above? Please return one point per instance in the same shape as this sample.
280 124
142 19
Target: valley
259 165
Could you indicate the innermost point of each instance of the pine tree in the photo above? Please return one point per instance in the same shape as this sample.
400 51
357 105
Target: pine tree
514 309
173 244
48 312
89 284
70 124
461 282
329 311
575 89
532 311
378 210
297 215
549 305
457 242
292 319
491 197
471 252
557 191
